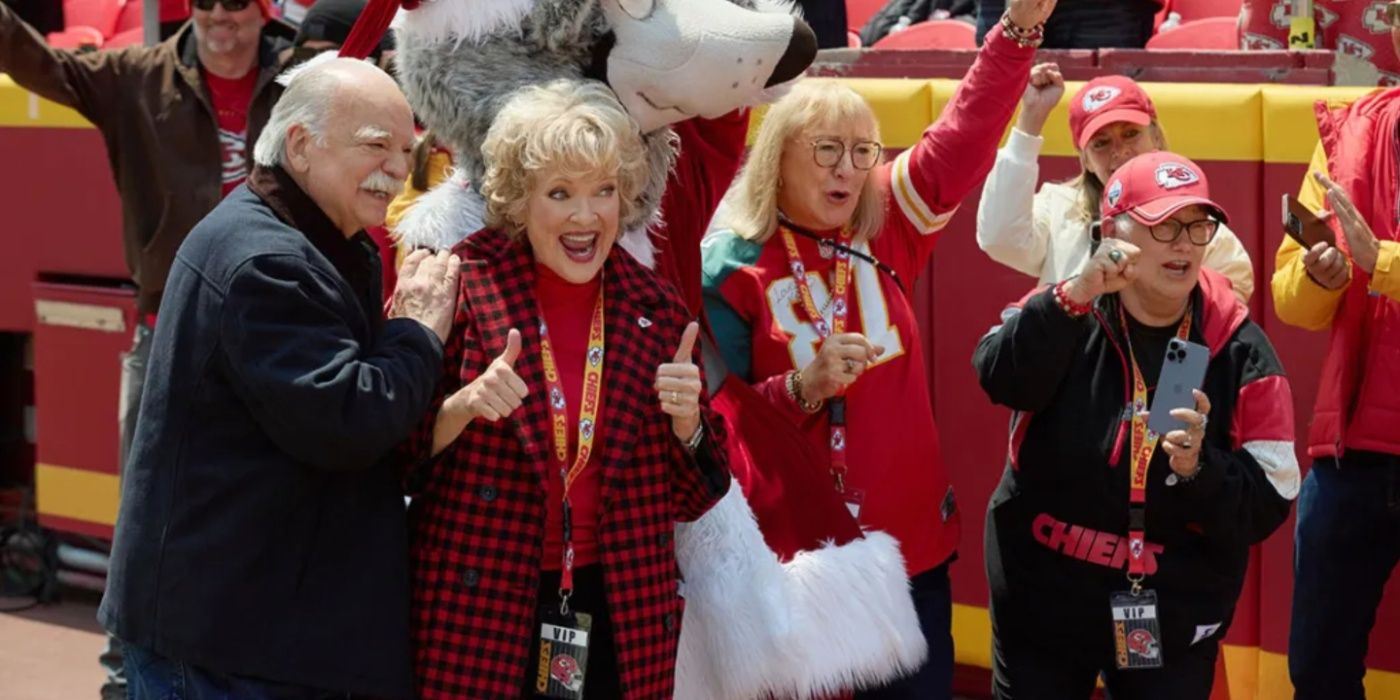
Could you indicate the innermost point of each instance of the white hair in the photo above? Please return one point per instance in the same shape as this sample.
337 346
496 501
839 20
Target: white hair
307 102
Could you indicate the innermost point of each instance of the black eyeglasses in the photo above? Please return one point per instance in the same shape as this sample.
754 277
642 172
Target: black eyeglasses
1198 232
828 152
229 5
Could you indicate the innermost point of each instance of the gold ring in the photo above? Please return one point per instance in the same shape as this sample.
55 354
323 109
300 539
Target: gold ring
675 397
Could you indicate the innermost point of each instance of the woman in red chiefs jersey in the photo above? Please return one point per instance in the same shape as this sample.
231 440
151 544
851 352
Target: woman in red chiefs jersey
807 294
571 435
1112 550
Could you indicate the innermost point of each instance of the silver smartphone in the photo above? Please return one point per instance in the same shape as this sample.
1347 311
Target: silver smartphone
1183 369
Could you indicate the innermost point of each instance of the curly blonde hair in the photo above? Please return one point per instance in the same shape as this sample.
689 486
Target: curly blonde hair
811 104
566 127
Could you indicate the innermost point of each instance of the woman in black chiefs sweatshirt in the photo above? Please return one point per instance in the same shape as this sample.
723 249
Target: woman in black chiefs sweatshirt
1066 530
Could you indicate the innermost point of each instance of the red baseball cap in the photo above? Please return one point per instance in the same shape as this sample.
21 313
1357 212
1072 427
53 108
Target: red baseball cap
1102 101
1153 186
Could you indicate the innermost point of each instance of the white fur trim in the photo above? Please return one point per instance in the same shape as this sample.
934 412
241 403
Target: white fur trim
832 619
461 20
443 216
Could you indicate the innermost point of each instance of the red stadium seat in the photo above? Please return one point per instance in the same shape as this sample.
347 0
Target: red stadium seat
853 40
98 14
1191 10
933 34
130 17
130 37
1215 34
76 38
858 12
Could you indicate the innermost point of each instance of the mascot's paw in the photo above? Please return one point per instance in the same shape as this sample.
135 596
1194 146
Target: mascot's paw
442 216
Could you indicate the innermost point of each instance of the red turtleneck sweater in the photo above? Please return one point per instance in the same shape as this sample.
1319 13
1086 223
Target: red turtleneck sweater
567 309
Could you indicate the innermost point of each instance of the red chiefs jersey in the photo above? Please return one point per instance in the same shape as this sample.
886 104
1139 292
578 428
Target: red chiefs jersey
752 304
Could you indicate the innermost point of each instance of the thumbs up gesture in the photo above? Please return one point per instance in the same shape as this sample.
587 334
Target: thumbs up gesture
678 386
497 393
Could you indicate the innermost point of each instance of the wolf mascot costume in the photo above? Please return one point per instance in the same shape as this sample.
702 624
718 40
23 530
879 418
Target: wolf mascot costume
789 611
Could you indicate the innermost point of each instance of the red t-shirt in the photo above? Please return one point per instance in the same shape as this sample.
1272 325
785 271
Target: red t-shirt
568 309
231 98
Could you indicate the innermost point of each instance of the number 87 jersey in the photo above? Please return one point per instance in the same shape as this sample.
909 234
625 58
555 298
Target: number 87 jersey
754 306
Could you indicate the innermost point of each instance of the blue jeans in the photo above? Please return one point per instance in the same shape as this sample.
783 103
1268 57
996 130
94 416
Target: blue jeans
150 676
933 601
1346 544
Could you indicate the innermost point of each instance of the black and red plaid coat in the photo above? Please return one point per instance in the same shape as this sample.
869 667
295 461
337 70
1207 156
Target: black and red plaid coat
478 512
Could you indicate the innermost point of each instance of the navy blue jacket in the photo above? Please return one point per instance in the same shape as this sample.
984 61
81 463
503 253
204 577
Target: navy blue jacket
259 533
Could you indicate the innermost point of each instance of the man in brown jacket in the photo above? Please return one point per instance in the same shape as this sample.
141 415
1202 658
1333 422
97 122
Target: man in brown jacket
179 119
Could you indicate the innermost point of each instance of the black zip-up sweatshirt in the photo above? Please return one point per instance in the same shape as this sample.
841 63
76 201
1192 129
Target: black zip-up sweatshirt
1056 536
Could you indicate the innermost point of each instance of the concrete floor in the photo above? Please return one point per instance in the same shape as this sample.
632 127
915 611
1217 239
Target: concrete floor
50 652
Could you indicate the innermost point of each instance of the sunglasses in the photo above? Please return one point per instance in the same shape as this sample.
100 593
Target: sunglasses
229 5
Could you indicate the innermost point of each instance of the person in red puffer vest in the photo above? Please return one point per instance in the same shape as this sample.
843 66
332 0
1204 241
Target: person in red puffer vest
1348 533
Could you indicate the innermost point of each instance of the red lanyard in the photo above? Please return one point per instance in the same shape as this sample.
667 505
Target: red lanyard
1144 445
559 424
840 306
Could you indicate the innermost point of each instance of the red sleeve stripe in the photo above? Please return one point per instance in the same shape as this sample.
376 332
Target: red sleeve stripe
1263 427
911 203
1264 411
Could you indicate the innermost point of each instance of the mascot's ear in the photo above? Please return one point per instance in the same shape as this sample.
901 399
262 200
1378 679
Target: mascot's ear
686 58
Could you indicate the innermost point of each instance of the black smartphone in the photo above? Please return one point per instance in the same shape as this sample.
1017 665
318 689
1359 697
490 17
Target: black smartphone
1183 369
1303 226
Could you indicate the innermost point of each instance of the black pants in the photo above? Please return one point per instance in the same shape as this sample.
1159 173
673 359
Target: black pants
601 681
1045 671
1085 24
933 601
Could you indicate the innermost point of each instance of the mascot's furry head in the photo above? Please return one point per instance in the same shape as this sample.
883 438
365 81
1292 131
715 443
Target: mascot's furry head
667 60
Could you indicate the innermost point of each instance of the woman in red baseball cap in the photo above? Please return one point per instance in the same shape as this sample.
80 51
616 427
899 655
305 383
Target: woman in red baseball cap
1048 234
1116 545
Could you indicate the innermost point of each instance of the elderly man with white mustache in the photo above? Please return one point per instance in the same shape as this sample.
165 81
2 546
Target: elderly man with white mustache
261 546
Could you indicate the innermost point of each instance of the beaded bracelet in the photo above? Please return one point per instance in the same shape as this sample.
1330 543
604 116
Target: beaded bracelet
1066 304
1025 38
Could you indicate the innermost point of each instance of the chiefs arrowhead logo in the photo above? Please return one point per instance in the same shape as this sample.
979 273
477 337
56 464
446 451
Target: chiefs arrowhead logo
1374 17
1325 17
1354 47
1259 42
1278 14
1099 97
1173 175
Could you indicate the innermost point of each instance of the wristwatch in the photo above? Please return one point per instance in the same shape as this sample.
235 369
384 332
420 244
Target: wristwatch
793 384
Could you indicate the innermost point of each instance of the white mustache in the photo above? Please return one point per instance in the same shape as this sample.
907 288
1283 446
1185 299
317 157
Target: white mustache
379 182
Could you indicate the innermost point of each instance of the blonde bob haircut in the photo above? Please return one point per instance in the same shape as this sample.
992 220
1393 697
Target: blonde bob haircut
810 107
568 128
